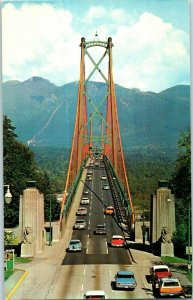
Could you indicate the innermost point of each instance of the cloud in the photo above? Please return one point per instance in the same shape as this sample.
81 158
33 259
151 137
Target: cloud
154 54
93 13
43 40
38 40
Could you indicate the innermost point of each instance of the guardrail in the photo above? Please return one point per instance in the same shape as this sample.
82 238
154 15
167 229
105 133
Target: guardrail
73 188
120 199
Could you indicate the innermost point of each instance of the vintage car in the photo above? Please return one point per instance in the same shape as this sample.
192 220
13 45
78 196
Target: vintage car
95 295
86 192
80 224
125 279
109 210
74 245
117 241
106 187
82 211
157 272
84 200
104 177
170 287
100 229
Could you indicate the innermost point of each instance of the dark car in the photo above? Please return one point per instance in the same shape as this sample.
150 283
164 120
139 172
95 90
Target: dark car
100 229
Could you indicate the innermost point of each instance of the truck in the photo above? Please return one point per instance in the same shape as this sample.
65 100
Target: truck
158 272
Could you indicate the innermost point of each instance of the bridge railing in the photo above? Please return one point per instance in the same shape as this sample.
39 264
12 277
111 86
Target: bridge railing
120 198
73 188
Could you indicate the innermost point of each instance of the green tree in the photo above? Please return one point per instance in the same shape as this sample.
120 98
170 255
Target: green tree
19 167
181 187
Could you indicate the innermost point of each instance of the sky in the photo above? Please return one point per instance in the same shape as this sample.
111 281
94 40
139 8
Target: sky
151 40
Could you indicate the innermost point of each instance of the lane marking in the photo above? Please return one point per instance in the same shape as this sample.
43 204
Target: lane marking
16 286
107 248
87 246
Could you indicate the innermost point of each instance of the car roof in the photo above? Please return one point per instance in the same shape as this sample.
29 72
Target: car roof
110 207
95 293
80 220
125 273
160 266
117 237
172 279
100 225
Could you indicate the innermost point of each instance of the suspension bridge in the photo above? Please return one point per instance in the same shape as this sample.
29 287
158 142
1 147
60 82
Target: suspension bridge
97 135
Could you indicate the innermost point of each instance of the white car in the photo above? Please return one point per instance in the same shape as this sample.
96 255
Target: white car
98 294
82 211
74 246
85 200
80 224
106 187
89 178
103 177
86 192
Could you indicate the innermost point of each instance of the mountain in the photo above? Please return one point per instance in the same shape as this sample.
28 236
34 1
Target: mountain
44 113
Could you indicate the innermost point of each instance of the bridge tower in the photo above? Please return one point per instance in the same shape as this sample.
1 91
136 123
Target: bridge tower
98 134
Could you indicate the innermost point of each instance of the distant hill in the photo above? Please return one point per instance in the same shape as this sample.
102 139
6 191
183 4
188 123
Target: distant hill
44 113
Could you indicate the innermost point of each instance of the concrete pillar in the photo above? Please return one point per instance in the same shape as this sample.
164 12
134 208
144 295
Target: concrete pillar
163 211
32 214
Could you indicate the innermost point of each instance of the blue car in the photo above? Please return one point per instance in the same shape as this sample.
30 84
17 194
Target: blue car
74 245
125 279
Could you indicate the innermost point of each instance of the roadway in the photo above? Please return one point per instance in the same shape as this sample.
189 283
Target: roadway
95 266
57 274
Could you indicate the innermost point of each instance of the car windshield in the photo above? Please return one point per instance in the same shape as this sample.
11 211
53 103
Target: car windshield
117 239
100 226
80 221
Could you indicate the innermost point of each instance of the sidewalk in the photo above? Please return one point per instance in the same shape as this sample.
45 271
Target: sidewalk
13 282
44 264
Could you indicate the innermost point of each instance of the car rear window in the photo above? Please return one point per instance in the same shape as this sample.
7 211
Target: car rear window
171 284
125 276
161 270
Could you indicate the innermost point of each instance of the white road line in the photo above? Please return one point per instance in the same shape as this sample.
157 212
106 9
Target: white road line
87 246
107 248
82 286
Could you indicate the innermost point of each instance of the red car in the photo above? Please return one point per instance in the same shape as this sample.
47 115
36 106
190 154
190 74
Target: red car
117 241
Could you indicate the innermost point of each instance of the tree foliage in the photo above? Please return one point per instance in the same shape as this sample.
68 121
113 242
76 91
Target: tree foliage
19 167
181 187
